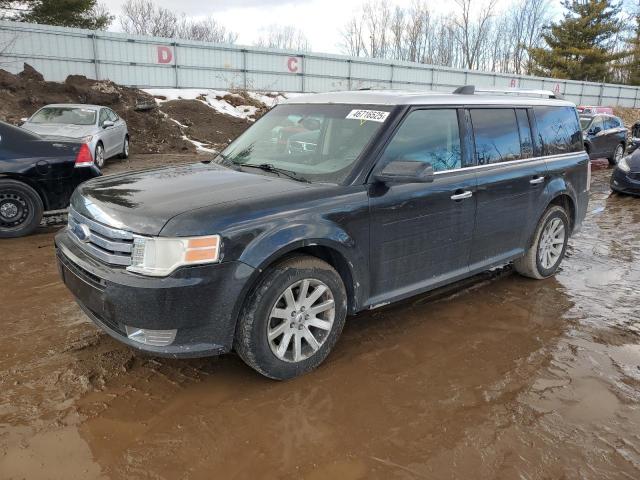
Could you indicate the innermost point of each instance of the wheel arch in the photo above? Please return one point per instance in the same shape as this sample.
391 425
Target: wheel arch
38 189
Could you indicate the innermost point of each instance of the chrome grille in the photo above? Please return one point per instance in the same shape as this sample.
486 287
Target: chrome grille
107 244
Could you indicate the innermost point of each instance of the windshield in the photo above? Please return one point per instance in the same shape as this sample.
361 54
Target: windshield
584 122
314 142
64 116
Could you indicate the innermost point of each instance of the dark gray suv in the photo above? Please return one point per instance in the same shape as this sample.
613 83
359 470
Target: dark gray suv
328 205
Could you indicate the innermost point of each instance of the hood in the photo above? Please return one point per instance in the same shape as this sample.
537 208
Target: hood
143 202
58 131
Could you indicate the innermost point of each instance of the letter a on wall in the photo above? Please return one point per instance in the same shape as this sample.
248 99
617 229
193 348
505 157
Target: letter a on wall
165 54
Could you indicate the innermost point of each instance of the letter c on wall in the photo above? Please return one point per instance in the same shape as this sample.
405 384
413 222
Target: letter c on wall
165 55
292 64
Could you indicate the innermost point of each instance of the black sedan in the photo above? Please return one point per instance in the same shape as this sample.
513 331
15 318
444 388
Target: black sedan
604 137
37 175
626 175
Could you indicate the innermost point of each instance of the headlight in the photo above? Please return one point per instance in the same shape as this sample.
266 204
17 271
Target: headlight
158 257
87 139
623 164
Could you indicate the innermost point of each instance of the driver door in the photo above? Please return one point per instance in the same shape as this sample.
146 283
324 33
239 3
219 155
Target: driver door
421 232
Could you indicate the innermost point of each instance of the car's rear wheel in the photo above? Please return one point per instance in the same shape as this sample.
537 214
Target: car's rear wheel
293 319
125 148
617 155
98 158
544 255
20 209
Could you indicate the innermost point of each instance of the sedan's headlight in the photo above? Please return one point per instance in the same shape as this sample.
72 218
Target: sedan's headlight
87 139
623 164
158 257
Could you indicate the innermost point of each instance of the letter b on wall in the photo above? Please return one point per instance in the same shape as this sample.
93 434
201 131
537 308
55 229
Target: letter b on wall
165 55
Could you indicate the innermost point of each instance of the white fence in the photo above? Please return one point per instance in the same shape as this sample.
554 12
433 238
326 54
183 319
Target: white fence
150 62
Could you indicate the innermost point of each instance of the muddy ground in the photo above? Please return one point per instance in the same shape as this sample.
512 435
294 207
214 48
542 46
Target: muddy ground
498 378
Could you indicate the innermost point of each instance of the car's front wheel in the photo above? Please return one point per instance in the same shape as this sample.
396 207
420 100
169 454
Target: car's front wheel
125 148
618 153
293 319
98 158
20 209
544 255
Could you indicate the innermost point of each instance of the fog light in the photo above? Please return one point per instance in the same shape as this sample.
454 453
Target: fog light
155 338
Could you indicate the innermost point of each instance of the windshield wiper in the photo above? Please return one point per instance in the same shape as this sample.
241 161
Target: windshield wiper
269 167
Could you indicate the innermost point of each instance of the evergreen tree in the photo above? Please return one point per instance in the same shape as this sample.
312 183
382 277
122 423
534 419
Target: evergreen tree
581 45
66 13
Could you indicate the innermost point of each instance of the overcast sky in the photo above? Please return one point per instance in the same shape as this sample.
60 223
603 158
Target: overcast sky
320 20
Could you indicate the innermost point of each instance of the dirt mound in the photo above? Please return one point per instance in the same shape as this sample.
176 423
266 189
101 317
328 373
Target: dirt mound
203 123
628 115
151 132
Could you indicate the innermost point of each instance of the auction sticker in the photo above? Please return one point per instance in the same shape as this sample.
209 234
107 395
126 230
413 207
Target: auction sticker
372 115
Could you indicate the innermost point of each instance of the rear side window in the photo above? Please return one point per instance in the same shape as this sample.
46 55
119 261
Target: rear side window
496 135
430 136
526 142
558 130
611 122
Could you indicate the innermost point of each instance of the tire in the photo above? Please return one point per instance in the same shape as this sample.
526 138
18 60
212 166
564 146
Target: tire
20 209
252 341
618 153
98 157
125 148
531 265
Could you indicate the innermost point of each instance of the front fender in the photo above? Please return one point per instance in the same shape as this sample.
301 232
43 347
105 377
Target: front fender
274 244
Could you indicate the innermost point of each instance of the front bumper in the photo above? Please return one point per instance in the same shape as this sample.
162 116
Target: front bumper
625 182
201 302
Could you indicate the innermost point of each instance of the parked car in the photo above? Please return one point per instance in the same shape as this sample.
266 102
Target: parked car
626 175
100 128
37 175
634 141
266 250
592 110
604 137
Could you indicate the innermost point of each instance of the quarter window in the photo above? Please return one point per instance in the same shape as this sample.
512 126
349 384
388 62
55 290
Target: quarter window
559 130
430 136
496 135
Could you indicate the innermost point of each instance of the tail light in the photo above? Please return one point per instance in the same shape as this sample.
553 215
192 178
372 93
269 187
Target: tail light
84 158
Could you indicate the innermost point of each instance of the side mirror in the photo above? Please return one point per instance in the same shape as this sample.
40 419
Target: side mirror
406 171
107 124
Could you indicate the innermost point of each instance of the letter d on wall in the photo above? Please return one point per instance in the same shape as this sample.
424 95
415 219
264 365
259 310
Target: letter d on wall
165 55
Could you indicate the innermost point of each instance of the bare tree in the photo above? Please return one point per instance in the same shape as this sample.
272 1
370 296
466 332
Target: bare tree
472 31
285 37
144 17
352 39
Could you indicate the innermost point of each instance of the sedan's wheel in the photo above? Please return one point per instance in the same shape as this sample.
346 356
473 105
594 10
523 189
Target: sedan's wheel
293 319
544 256
99 156
20 209
617 155
125 148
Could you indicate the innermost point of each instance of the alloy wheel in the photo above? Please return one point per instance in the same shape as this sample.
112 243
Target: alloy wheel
301 320
618 154
551 243
99 161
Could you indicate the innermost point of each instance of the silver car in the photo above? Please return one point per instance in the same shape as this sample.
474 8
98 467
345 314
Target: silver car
99 127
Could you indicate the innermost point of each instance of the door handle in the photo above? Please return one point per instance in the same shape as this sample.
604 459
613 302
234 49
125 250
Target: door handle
462 196
536 180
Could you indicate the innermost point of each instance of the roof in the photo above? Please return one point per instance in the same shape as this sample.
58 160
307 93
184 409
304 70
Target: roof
74 105
402 97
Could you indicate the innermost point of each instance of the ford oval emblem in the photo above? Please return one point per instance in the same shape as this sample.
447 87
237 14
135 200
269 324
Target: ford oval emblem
81 231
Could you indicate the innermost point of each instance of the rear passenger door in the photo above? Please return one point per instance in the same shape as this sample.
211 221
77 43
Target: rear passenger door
421 232
510 183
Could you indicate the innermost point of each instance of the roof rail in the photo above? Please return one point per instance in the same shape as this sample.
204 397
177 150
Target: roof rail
471 90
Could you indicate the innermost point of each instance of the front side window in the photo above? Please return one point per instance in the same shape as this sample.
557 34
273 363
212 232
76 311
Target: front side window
113 116
430 136
559 130
64 116
104 116
496 135
314 142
